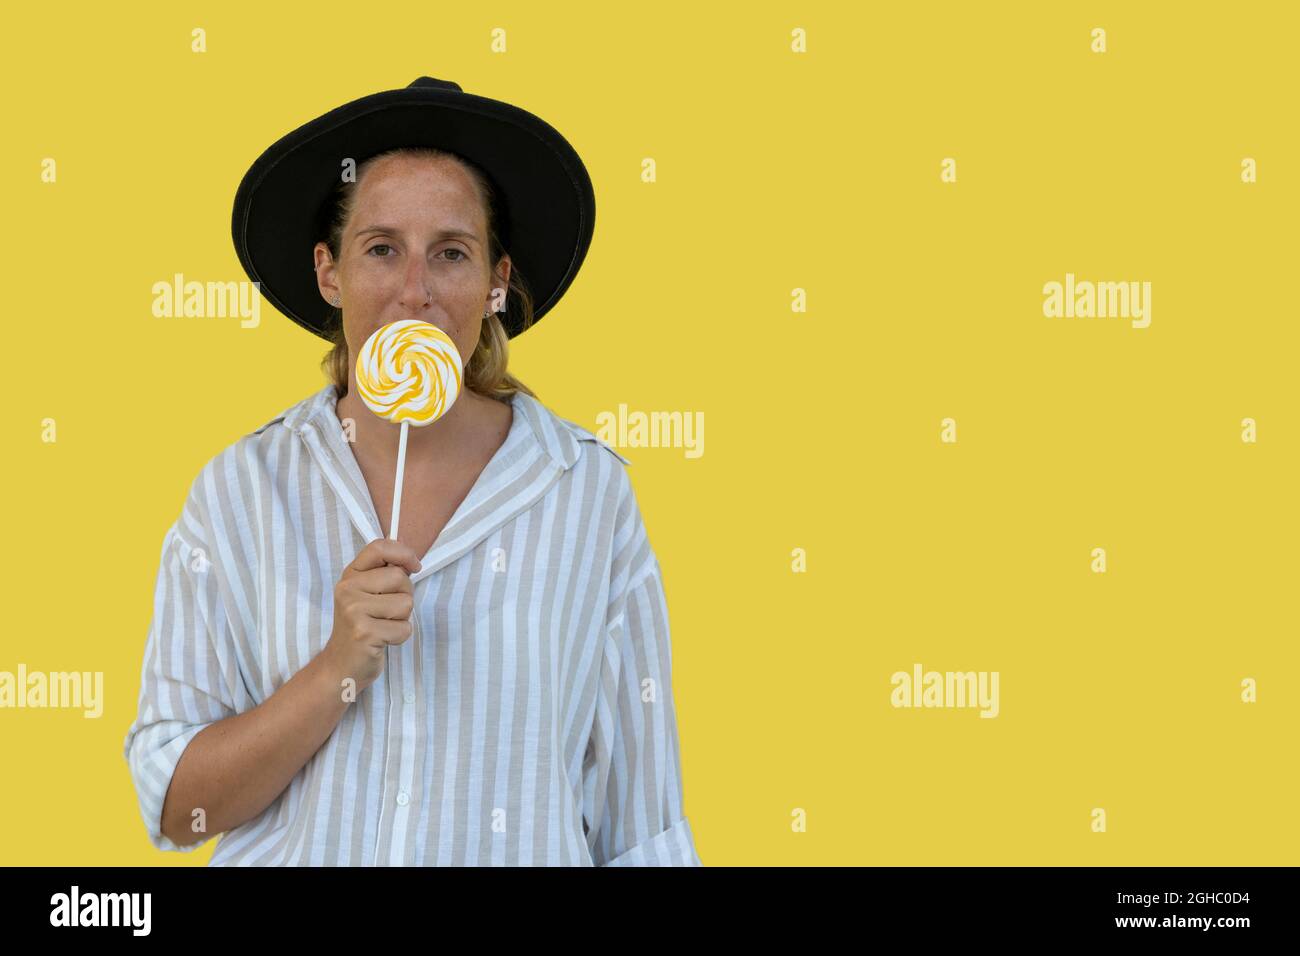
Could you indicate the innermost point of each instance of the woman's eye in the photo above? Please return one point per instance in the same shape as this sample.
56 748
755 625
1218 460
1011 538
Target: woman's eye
378 245
459 253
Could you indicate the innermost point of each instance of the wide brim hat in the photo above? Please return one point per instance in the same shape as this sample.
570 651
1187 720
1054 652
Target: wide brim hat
548 207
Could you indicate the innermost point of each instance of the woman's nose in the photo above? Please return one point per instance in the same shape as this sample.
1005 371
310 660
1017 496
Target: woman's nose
416 290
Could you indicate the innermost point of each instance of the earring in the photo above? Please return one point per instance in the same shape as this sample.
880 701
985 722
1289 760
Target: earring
336 301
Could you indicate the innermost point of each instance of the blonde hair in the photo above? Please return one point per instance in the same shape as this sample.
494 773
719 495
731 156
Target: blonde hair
487 371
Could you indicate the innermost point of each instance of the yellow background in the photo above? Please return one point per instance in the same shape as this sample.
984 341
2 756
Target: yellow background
776 171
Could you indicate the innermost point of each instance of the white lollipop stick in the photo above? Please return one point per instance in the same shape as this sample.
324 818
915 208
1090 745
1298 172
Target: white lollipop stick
397 489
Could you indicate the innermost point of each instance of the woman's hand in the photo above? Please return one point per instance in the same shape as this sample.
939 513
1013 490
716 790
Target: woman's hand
372 609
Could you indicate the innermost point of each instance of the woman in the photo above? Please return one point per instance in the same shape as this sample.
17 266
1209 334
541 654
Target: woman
493 686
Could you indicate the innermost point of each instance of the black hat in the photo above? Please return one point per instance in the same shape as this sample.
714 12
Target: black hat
282 202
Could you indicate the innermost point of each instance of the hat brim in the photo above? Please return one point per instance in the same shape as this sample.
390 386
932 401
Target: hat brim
548 200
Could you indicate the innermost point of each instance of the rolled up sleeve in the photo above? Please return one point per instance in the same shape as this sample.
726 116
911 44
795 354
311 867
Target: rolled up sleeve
632 781
182 687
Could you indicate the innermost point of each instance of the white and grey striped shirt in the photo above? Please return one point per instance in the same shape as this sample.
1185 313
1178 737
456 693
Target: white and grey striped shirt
529 720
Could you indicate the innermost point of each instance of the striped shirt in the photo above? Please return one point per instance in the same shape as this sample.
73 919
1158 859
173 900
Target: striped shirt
529 719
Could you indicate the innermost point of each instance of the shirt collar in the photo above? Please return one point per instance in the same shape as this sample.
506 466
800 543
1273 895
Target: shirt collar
538 448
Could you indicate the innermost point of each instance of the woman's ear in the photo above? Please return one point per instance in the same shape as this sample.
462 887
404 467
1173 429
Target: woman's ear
500 283
502 274
326 274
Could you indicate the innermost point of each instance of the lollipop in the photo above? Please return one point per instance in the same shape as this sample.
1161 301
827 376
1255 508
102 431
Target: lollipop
410 372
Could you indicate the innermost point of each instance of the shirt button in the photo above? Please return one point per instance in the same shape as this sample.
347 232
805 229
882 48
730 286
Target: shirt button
410 697
402 798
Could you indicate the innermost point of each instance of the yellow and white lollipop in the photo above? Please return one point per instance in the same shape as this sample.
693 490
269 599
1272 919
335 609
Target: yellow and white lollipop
409 372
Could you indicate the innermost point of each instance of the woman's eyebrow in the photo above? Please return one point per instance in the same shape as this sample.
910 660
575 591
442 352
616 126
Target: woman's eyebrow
439 236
